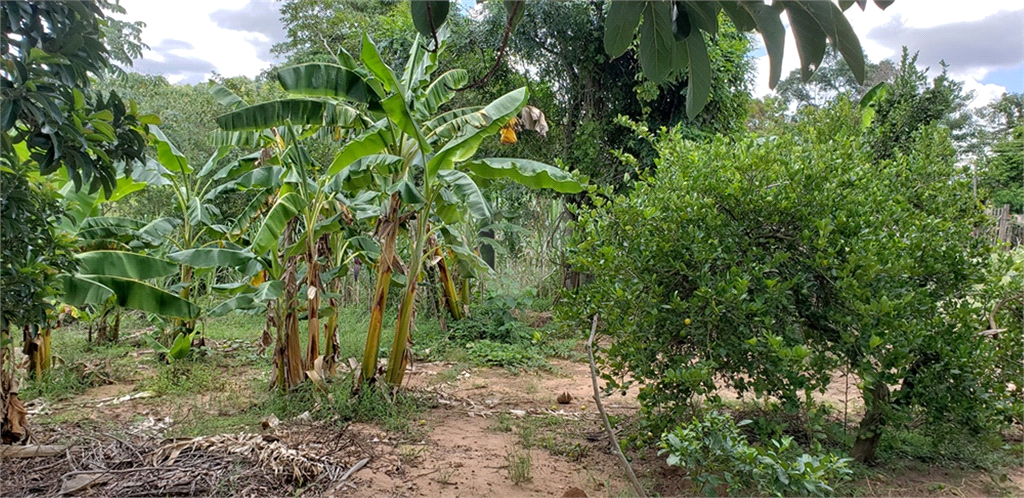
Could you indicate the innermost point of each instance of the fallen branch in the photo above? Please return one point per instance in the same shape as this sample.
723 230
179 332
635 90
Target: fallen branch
604 416
355 468
43 450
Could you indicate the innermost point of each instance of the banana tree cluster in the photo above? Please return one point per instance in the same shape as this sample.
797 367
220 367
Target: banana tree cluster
404 166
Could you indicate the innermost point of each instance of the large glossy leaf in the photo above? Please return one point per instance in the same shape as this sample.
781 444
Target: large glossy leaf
465 144
699 83
326 80
532 174
657 41
169 155
125 264
122 188
267 177
251 212
85 289
398 112
212 257
265 292
141 296
156 231
703 15
286 207
441 90
810 38
200 213
840 33
408 193
226 97
619 26
375 63
372 141
429 15
739 16
213 163
449 124
296 111
514 11
80 291
359 175
774 34
468 191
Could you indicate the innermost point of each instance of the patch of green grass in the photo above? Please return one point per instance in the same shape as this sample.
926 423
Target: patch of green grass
234 326
520 465
185 377
947 447
503 423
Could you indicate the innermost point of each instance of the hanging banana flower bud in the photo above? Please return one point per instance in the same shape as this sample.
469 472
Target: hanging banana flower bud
532 118
508 132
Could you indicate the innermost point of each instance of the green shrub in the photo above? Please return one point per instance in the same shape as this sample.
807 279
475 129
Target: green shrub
717 456
768 264
493 335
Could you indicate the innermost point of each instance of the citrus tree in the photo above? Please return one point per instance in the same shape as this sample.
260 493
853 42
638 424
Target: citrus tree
766 264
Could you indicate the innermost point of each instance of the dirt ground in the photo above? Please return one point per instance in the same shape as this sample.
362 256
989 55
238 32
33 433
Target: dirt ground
483 418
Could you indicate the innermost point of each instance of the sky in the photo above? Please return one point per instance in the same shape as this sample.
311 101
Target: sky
981 40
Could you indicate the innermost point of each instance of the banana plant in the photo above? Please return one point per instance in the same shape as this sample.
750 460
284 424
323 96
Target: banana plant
114 266
400 152
304 221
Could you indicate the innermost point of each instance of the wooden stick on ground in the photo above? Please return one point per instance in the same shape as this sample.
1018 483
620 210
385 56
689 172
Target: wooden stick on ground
604 416
43 450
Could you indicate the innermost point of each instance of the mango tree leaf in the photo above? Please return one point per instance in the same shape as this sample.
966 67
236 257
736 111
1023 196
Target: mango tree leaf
429 15
699 85
657 41
620 24
810 38
532 174
286 207
514 10
774 34
125 264
840 33
704 15
739 16
326 80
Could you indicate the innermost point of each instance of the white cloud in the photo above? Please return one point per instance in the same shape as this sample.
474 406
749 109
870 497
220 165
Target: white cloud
913 15
231 52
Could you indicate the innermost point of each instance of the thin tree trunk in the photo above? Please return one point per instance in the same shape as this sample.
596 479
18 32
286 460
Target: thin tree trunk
871 426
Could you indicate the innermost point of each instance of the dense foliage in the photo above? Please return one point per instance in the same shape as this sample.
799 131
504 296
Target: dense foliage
765 264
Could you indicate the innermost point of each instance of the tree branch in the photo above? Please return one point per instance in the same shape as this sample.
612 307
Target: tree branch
604 415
